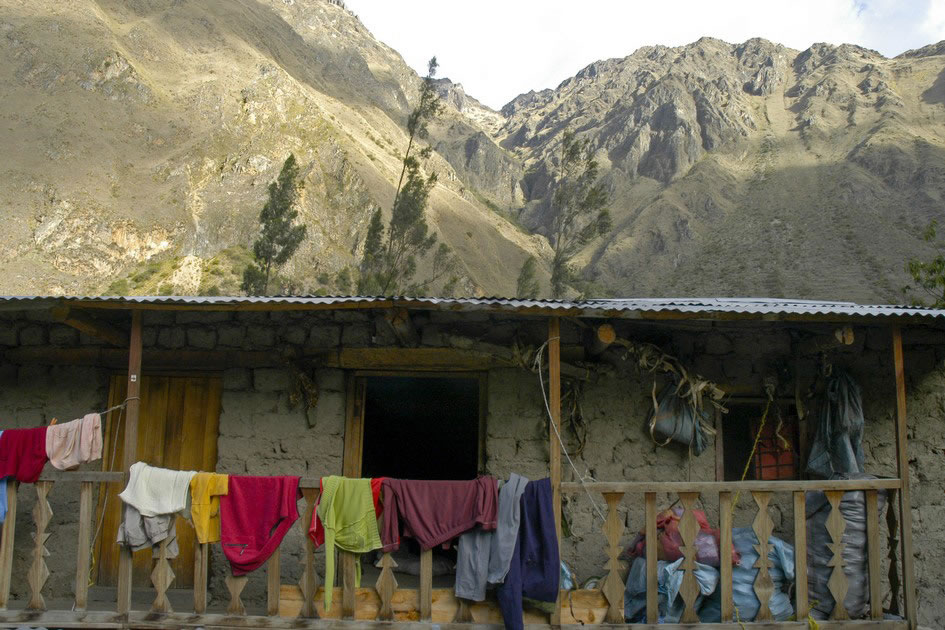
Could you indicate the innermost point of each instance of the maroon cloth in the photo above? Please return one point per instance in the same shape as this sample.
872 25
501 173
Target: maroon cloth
23 453
255 515
435 512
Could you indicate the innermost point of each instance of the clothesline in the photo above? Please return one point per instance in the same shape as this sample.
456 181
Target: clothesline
120 405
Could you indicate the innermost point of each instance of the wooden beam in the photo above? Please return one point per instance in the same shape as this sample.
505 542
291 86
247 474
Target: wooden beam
398 319
842 336
600 338
130 450
155 359
554 447
84 322
902 464
711 487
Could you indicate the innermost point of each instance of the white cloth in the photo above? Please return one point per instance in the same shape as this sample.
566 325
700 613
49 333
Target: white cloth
154 491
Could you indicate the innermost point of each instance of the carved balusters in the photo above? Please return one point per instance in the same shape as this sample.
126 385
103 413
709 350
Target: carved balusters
201 558
652 583
837 583
6 543
613 586
725 555
39 572
308 583
162 575
426 584
84 547
800 555
763 527
872 538
385 587
236 585
892 526
463 611
688 530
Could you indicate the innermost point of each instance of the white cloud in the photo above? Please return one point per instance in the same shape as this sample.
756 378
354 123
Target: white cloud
500 48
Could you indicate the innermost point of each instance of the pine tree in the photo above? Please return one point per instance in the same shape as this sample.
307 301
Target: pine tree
527 286
391 255
279 237
578 208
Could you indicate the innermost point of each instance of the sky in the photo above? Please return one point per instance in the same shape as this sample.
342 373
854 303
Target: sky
499 49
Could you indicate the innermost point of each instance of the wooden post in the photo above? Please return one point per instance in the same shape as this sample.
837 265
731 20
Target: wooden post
130 451
875 554
309 580
349 590
273 583
426 584
554 403
6 544
201 556
612 586
905 502
725 544
652 586
84 547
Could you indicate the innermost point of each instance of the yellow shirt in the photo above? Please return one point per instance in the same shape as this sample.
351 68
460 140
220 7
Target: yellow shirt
205 491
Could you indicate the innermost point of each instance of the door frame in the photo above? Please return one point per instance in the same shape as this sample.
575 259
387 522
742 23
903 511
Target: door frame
356 391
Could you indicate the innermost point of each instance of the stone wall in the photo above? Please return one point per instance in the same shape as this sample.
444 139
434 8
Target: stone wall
261 433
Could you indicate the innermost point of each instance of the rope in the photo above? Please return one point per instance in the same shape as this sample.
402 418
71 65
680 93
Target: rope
544 396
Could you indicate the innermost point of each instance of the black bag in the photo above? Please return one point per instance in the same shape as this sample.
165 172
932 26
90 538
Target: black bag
675 419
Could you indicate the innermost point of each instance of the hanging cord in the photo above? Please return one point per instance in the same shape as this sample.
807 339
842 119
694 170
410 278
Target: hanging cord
544 396
111 466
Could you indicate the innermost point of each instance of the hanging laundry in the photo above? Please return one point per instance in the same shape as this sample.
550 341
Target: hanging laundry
535 569
435 512
155 491
3 495
205 491
255 515
484 556
347 510
77 442
316 530
140 532
23 453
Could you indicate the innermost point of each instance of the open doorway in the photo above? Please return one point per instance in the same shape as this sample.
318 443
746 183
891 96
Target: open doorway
421 427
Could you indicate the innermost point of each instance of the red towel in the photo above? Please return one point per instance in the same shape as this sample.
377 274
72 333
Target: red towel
255 516
435 512
23 453
317 533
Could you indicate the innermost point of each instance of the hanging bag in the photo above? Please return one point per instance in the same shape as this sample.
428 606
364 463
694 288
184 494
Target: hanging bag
674 419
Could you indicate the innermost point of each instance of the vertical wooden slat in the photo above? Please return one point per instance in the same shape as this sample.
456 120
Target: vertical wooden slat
905 500
6 544
129 452
613 586
892 543
688 529
652 585
838 584
201 559
39 572
463 611
83 546
348 587
763 527
235 586
161 577
308 583
800 554
273 583
719 448
426 585
354 427
386 587
554 450
873 551
725 557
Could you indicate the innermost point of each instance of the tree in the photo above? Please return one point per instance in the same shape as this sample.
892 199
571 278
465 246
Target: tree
928 276
391 255
527 286
279 236
578 212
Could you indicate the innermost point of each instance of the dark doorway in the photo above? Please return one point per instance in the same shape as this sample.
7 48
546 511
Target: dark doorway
418 427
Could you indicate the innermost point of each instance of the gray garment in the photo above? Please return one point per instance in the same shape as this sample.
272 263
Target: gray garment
485 556
140 532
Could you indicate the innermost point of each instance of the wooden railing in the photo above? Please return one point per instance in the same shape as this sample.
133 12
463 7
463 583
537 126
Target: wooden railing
160 613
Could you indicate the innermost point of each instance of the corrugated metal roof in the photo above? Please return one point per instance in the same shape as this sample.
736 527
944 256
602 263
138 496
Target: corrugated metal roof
629 308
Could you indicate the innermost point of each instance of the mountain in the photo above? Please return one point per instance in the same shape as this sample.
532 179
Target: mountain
140 136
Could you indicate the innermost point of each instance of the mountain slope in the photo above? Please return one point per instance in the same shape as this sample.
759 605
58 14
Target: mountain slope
141 136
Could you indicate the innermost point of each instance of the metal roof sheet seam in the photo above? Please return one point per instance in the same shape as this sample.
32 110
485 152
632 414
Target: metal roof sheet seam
708 306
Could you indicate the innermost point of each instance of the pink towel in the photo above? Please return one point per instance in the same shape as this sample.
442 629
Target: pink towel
77 442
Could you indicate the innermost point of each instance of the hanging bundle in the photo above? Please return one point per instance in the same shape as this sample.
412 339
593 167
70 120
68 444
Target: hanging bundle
675 419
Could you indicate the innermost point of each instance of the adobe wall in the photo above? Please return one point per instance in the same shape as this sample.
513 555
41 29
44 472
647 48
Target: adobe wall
261 434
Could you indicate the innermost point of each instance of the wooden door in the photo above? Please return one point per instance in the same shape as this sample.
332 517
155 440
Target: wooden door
177 429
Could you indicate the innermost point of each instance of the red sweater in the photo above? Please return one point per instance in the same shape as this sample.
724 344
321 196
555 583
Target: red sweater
23 453
255 515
